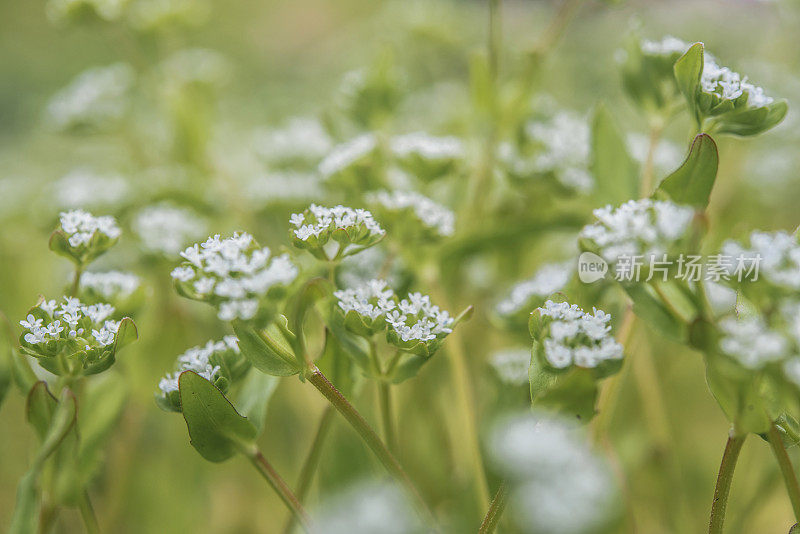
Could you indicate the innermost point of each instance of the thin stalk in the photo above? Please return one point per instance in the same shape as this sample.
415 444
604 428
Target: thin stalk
76 281
495 510
723 488
279 485
311 462
789 476
368 435
648 169
87 514
387 414
495 43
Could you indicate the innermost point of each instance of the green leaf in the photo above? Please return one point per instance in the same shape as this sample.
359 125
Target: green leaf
254 396
275 358
314 290
615 172
571 393
688 70
752 121
692 183
216 429
39 408
648 306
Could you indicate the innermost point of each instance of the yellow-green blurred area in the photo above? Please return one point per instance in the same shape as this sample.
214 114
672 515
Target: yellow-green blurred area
284 59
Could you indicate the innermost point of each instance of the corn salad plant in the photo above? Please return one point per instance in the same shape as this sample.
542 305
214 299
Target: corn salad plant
443 298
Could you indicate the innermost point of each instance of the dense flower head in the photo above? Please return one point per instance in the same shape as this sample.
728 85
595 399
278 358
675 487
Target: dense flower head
548 279
302 139
511 365
166 229
94 100
556 483
339 230
637 228
413 324
751 342
435 218
777 255
85 188
82 237
239 278
219 362
85 334
726 84
569 336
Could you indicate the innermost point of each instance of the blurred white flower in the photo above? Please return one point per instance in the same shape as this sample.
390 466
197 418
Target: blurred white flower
777 254
85 188
303 139
350 153
751 342
166 229
427 146
557 485
511 365
367 508
548 279
110 285
200 66
95 99
431 214
638 228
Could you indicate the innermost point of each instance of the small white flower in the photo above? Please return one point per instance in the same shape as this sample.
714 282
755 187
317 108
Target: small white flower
548 279
511 365
432 215
750 342
777 255
576 337
80 227
110 285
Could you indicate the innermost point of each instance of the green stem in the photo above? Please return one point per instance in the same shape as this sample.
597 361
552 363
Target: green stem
495 510
279 485
789 476
368 435
87 514
311 462
724 479
387 414
76 282
648 169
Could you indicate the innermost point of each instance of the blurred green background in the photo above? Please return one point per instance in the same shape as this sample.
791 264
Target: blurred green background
288 58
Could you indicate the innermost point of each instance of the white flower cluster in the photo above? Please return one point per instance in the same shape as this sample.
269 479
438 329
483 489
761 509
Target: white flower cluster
80 227
556 483
85 188
777 253
427 146
347 154
111 284
411 319
416 319
730 85
547 280
165 228
576 337
431 214
197 359
94 99
638 227
322 220
233 274
565 142
370 299
68 323
667 46
511 365
302 139
750 342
